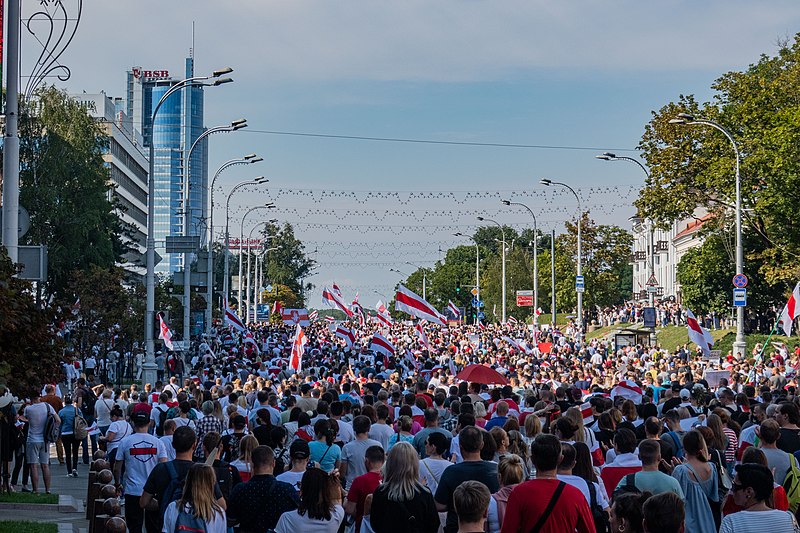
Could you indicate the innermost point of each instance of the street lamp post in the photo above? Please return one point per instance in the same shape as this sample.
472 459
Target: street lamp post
250 158
149 366
225 282
477 277
503 231
608 156
187 217
241 238
739 345
547 182
261 265
424 279
535 260
256 275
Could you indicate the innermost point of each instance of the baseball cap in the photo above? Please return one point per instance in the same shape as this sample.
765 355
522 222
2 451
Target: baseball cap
140 418
685 393
299 449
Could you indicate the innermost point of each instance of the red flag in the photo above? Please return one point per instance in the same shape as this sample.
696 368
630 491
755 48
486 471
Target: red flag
276 307
298 349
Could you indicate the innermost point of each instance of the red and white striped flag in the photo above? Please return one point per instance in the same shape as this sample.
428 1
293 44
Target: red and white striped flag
336 290
276 307
586 413
359 312
165 334
331 299
790 311
386 320
379 344
298 349
514 344
232 319
313 315
423 339
249 339
412 359
512 321
330 319
629 390
698 334
454 309
346 334
411 303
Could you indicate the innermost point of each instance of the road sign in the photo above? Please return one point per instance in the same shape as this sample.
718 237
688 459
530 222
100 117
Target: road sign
651 288
524 298
740 281
180 244
481 315
474 302
652 281
579 282
481 303
740 297
474 291
269 288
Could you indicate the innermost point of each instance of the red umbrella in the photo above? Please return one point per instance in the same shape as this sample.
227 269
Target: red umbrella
481 374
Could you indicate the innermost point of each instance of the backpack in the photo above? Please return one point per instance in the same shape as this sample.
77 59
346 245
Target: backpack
677 444
89 399
601 520
174 490
629 487
791 484
162 417
52 429
189 523
80 427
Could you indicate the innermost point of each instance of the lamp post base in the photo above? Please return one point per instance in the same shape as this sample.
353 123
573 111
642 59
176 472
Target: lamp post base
149 374
739 348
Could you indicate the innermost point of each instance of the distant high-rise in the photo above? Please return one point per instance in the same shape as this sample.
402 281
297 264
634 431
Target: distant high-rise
178 124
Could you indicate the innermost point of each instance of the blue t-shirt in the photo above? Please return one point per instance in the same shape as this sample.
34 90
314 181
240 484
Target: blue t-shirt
67 416
324 455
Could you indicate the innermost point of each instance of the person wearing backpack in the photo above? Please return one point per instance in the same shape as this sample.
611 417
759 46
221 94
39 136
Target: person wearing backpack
85 400
158 415
164 485
43 426
197 509
67 415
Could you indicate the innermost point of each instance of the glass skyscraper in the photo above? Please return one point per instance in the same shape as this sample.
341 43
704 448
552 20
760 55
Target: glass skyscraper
178 124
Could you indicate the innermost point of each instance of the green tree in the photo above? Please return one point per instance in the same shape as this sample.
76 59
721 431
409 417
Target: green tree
31 351
65 187
287 265
693 166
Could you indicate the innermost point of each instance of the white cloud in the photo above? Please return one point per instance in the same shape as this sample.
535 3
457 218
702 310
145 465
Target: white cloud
446 40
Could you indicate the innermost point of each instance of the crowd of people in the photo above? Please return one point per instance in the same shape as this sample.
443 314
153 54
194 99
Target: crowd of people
572 435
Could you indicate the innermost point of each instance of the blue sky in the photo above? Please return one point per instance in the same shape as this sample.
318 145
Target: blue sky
578 73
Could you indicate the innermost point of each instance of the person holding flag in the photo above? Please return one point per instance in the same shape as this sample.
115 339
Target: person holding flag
298 349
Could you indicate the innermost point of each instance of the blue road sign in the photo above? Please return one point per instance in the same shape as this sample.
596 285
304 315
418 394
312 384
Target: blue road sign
481 315
740 281
740 297
474 302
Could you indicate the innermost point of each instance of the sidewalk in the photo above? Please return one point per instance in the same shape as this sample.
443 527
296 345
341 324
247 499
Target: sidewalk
62 485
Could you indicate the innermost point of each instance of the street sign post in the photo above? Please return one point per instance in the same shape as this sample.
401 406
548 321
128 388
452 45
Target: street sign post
474 291
740 297
524 298
579 284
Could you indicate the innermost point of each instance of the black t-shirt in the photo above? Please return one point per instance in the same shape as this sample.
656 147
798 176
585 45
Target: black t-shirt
158 480
395 517
453 476
672 403
789 441
259 503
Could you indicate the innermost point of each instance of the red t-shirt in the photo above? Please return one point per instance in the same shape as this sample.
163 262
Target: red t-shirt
362 487
529 500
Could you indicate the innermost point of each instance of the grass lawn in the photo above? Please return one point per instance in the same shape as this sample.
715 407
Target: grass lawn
22 526
28 497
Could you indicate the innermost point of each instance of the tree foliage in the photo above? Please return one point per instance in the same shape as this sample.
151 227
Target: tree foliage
65 187
693 166
287 265
30 348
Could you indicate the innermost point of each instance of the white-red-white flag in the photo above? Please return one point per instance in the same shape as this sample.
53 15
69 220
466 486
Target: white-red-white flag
298 349
454 309
165 334
232 319
332 299
413 304
276 307
423 338
295 316
512 321
386 320
380 344
698 334
313 315
330 319
346 334
790 311
336 290
629 390
249 339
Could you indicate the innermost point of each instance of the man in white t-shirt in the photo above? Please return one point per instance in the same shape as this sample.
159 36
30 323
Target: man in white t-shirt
140 452
37 449
300 454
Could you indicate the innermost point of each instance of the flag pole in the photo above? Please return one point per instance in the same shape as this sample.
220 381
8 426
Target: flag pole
766 342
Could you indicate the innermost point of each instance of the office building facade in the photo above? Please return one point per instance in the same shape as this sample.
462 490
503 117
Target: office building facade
127 165
178 124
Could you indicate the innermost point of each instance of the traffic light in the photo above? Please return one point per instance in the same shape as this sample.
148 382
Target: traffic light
458 288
